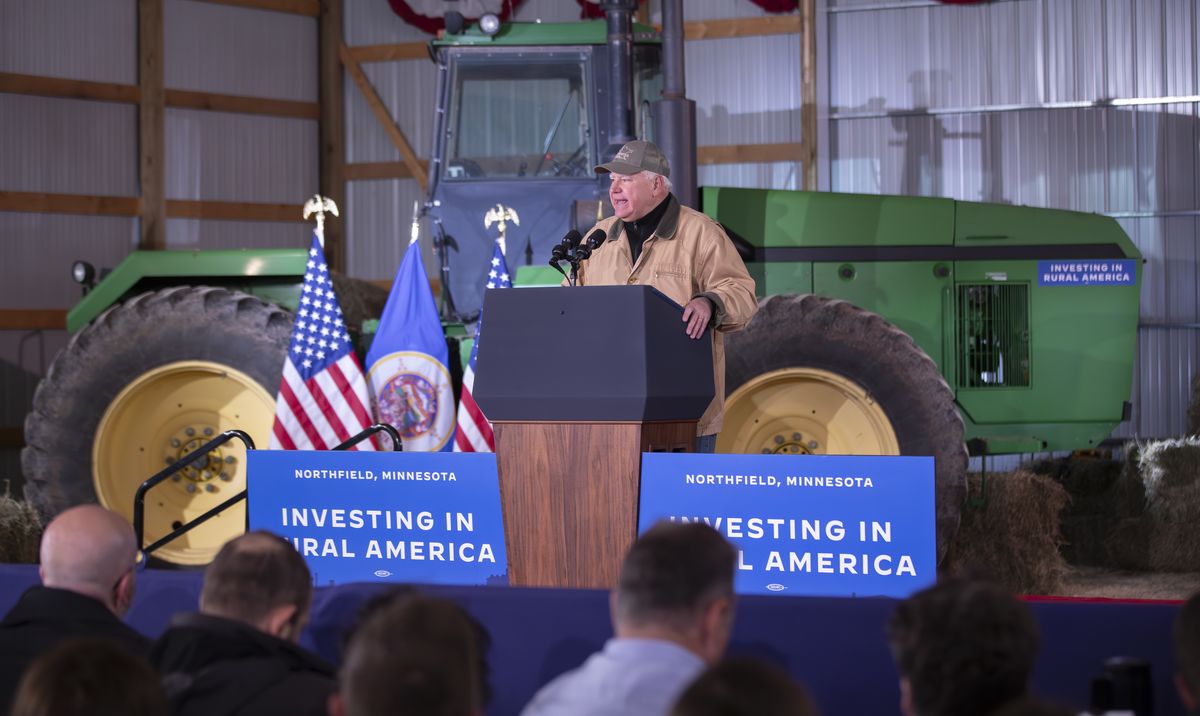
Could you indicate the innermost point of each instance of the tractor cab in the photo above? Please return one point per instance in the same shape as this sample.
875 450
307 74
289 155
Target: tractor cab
522 119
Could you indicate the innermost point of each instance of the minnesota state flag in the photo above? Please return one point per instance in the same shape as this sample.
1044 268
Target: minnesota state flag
408 359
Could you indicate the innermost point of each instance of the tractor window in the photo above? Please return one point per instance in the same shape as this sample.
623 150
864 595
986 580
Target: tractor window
993 335
513 116
647 87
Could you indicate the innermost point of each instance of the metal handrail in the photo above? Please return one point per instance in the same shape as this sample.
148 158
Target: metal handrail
139 498
187 527
397 444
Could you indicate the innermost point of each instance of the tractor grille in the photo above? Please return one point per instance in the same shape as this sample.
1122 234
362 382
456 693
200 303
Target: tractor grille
993 335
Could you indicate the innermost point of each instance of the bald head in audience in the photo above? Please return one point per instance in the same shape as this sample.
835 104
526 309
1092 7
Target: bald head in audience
91 551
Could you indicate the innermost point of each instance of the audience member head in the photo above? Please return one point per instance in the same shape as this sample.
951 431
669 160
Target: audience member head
744 687
261 580
89 677
397 594
962 649
676 584
1032 707
92 551
1187 653
412 655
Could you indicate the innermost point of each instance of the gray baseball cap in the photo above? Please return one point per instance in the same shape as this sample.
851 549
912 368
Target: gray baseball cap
637 156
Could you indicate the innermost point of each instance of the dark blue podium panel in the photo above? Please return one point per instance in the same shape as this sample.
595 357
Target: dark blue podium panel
590 354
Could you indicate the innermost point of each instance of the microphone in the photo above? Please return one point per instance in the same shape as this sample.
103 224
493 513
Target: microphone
564 250
597 237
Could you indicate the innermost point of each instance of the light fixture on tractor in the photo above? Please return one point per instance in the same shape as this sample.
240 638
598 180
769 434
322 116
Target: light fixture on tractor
84 275
489 23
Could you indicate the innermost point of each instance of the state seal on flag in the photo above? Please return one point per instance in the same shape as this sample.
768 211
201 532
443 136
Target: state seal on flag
415 396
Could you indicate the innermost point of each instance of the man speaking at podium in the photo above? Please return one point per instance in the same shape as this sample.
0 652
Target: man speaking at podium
654 240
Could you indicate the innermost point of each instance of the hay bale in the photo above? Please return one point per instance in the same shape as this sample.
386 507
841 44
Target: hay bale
1085 539
1127 545
20 531
1170 472
1102 493
1014 537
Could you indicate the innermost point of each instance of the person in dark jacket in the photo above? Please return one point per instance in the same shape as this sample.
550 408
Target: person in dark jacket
239 654
1187 654
87 571
89 677
962 648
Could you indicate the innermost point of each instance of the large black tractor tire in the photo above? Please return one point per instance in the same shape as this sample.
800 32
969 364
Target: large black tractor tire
145 383
810 374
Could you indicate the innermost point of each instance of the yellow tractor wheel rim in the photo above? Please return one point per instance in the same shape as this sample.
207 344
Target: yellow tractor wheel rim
805 411
159 418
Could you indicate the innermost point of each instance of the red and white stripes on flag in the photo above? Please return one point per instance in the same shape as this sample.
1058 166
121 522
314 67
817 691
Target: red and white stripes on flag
474 432
323 399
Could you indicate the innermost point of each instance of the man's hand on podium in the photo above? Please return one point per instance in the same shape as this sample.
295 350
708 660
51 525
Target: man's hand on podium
696 314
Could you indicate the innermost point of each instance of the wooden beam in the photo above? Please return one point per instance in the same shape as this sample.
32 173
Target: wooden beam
12 438
741 27
241 104
748 153
385 118
32 319
382 170
72 89
131 94
808 94
151 131
331 98
233 210
311 8
388 53
42 203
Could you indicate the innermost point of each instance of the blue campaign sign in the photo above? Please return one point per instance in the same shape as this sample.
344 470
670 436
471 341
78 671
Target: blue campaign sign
812 525
383 516
1087 272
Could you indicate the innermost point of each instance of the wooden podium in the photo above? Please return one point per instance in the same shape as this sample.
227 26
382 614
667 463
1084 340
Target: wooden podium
578 383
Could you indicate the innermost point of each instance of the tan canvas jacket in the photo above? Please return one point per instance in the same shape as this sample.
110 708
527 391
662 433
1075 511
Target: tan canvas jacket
689 255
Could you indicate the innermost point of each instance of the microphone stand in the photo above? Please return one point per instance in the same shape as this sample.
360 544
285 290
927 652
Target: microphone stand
578 256
439 247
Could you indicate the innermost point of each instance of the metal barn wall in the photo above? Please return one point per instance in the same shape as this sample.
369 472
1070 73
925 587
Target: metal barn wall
1088 105
69 146
378 212
224 156
40 142
747 91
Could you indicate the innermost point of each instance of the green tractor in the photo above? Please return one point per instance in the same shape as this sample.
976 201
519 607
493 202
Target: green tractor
887 325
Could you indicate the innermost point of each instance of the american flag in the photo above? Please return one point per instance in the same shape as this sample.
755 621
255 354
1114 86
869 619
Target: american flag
323 397
474 432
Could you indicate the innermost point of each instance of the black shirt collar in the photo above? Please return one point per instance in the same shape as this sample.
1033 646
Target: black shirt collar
645 226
